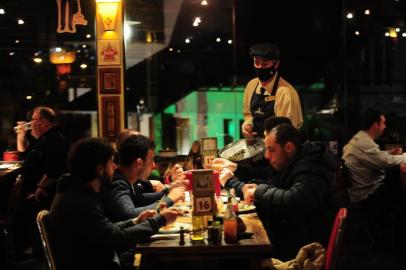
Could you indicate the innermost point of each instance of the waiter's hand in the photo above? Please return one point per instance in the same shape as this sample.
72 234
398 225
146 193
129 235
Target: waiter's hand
246 130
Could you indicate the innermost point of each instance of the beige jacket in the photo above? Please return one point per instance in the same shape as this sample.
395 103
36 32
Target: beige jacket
287 102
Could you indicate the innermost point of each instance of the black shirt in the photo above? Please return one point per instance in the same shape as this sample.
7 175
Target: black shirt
47 155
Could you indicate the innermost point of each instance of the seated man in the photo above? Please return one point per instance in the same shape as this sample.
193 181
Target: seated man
152 183
245 173
367 163
297 204
81 235
122 199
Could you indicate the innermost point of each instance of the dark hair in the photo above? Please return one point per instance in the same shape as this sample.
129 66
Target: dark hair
135 146
369 117
285 133
48 114
123 135
273 121
86 155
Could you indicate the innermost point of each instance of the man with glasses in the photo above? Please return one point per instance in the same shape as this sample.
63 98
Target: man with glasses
268 94
45 160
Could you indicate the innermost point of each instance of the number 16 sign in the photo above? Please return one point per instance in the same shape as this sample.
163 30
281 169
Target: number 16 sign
203 192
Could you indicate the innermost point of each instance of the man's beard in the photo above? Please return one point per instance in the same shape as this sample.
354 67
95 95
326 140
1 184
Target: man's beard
105 180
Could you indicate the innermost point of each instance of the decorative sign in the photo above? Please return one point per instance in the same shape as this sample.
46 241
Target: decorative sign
67 17
109 80
108 52
110 116
203 192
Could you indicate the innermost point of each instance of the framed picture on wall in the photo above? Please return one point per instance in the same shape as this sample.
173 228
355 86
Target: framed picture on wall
109 81
110 116
109 52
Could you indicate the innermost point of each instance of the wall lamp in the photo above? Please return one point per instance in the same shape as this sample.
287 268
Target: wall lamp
108 11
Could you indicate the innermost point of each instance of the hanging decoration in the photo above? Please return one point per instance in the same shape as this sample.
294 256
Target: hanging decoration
67 19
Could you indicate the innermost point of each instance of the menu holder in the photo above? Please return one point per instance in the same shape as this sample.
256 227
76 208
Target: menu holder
203 193
209 151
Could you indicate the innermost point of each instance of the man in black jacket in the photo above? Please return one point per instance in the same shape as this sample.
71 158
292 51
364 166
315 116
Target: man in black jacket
296 205
81 235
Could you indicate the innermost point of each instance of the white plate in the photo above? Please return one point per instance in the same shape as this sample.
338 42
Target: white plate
246 208
6 166
175 228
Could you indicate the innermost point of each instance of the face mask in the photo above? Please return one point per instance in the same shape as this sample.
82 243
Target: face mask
265 74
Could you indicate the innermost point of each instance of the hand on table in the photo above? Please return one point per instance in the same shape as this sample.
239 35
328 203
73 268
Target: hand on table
143 216
248 191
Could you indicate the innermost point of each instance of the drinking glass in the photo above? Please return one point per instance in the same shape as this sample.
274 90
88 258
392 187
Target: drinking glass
23 127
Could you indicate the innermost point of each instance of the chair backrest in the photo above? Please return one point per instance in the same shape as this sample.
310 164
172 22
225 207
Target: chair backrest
334 242
43 226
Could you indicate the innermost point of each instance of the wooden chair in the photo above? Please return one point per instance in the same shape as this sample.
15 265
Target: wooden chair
334 242
43 227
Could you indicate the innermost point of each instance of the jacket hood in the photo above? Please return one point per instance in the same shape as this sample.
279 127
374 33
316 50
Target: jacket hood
318 152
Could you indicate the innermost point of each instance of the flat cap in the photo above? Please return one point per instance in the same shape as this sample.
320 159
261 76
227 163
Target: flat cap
265 50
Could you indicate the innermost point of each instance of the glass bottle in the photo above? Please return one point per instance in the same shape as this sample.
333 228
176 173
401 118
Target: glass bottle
234 201
230 223
198 228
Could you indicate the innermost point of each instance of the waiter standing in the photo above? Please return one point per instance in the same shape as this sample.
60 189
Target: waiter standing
268 94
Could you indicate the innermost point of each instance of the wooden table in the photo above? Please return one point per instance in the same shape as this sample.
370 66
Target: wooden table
161 254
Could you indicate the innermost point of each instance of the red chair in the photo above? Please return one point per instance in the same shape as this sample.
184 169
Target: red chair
335 239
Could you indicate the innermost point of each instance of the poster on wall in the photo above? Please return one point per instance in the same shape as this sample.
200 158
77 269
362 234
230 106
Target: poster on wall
109 81
108 52
110 117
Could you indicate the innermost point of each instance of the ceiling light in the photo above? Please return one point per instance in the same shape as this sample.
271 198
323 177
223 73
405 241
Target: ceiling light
16 41
404 34
387 34
20 21
83 66
187 40
367 12
58 49
11 53
2 11
218 39
357 33
88 36
171 49
350 15
28 97
397 29
84 46
37 60
204 3
178 51
229 41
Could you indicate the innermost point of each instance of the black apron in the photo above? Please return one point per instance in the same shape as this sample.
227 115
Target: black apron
263 106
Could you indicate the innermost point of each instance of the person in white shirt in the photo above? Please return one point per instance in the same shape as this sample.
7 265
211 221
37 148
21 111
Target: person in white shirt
366 163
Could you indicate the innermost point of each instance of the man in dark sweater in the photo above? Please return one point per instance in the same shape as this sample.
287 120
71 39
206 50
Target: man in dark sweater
123 199
81 235
297 204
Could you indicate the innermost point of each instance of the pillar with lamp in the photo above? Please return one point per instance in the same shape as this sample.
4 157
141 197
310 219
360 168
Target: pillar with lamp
110 67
